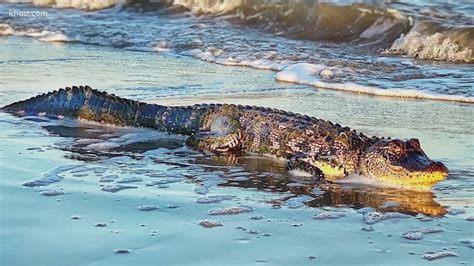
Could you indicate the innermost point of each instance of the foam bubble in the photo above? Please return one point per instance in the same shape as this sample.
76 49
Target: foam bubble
230 210
210 223
439 255
374 217
117 188
413 235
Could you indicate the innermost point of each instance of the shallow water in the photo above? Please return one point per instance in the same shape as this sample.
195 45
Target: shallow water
356 64
122 172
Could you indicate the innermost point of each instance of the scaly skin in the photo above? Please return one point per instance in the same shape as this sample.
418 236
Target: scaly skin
324 149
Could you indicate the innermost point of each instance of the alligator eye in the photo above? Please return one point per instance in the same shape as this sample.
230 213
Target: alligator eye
393 146
415 143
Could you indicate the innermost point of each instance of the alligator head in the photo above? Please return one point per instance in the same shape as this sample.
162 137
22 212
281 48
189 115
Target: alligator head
402 163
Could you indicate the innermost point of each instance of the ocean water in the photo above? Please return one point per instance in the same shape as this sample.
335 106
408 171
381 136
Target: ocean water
75 193
105 174
361 56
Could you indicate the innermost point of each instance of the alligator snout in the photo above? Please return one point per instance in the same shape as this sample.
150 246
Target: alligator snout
437 167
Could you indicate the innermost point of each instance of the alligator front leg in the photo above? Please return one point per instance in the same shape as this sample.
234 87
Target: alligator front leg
302 163
322 168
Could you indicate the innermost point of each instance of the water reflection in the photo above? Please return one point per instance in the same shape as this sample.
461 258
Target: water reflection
254 172
272 176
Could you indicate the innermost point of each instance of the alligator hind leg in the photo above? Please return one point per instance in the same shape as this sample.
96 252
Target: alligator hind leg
217 143
224 135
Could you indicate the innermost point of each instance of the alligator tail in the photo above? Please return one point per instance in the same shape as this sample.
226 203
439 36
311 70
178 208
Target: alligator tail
83 102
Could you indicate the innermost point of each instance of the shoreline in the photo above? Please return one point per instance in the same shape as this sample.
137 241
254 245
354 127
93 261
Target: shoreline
303 75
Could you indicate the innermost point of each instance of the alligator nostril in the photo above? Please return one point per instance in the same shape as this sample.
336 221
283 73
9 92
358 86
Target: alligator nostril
437 167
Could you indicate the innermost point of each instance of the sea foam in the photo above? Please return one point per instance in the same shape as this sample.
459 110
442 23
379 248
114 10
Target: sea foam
77 4
42 35
433 41
314 74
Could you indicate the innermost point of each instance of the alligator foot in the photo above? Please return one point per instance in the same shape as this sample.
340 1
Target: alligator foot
301 162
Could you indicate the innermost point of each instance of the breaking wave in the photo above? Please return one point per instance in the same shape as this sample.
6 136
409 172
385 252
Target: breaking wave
378 26
296 19
434 41
310 20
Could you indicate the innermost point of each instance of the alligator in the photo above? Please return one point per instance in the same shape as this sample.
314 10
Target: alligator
321 148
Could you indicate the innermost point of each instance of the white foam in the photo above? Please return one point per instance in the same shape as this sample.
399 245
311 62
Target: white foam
310 74
162 46
87 141
434 42
218 56
6 29
317 75
435 46
77 4
210 6
44 35
55 37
